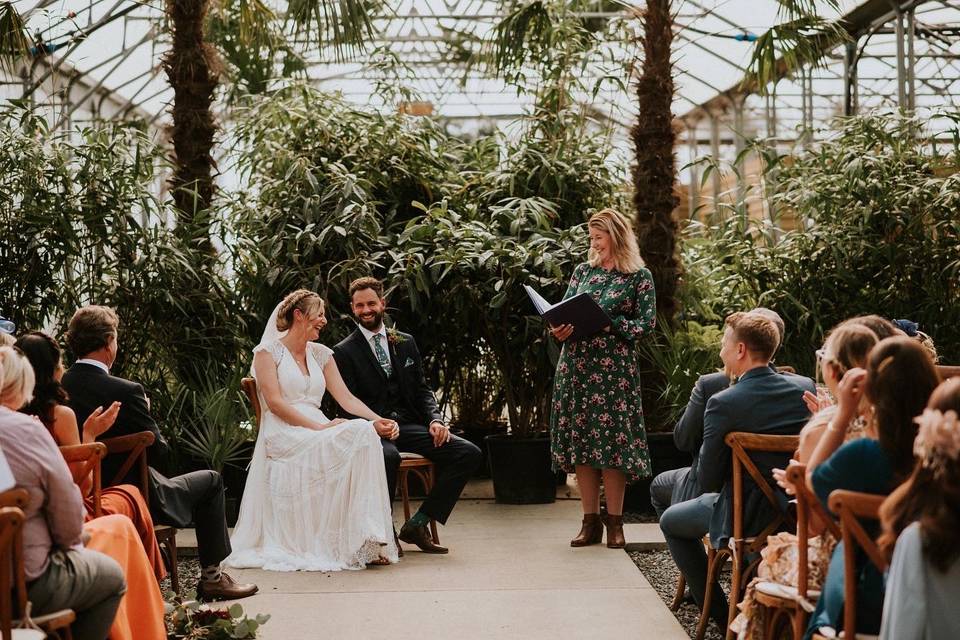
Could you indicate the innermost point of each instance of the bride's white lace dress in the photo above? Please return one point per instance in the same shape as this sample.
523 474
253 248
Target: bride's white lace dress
314 500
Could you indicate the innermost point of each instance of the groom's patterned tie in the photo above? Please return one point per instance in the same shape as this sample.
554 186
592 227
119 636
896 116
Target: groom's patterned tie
382 355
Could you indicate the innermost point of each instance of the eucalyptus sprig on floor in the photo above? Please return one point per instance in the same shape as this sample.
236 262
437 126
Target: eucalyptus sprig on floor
187 619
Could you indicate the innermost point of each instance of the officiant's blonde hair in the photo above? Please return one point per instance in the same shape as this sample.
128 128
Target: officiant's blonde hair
623 242
305 300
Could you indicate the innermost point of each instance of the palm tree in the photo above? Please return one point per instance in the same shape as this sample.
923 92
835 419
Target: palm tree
654 173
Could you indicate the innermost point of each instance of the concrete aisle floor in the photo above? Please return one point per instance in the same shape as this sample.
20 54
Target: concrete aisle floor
510 574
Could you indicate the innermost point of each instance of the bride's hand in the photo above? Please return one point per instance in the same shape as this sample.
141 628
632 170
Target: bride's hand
388 429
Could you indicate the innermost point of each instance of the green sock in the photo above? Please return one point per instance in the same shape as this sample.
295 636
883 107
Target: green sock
419 519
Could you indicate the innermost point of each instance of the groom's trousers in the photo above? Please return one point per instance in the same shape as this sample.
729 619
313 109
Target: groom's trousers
455 462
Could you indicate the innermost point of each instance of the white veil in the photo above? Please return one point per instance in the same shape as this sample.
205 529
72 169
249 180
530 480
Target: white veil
248 533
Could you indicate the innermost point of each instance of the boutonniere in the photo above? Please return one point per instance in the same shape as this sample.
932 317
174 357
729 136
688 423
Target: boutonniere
394 337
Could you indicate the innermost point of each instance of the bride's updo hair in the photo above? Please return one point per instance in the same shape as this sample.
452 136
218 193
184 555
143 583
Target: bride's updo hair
305 300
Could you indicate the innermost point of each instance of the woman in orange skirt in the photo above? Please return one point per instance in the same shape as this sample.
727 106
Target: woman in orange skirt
49 405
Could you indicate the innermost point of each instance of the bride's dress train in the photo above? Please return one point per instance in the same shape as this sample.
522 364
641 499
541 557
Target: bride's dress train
314 500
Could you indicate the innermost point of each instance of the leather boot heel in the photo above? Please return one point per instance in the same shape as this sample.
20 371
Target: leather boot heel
591 532
615 539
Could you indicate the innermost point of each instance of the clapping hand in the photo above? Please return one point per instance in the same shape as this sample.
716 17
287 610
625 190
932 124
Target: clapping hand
100 421
388 429
812 402
561 332
851 389
781 477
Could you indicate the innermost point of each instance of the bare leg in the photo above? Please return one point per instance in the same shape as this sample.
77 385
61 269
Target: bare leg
614 486
588 480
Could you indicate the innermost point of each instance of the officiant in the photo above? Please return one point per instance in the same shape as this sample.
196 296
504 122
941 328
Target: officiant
596 421
382 368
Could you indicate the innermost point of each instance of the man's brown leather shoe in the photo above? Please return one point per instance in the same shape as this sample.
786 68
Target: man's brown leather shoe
226 588
591 532
421 537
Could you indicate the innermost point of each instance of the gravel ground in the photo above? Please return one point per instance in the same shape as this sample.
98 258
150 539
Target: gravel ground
662 574
639 518
189 573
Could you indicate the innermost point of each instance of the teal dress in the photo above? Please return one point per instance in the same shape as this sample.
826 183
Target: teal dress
596 416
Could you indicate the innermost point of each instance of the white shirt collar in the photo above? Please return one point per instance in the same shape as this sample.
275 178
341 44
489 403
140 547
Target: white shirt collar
95 363
368 335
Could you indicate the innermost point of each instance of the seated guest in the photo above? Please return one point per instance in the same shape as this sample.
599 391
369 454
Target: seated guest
899 379
49 405
192 499
762 402
922 517
678 485
60 573
847 346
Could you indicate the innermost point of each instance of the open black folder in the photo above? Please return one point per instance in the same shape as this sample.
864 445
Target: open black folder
582 311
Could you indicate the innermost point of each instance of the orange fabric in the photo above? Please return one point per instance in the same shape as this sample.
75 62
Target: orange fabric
126 500
140 615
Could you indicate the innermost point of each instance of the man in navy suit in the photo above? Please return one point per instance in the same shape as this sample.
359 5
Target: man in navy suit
762 402
677 485
383 369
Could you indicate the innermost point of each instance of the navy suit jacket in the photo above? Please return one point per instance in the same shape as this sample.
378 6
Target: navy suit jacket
688 434
762 402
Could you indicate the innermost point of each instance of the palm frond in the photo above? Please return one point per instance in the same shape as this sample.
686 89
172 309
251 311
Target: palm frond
520 36
342 25
14 42
790 45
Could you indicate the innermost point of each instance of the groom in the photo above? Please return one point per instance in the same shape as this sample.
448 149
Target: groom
383 369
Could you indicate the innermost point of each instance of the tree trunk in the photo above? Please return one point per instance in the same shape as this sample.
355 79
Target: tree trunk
654 174
193 69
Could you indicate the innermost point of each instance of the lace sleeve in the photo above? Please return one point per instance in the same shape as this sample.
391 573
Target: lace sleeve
275 349
321 353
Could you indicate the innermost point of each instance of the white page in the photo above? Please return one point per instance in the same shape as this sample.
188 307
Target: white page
542 305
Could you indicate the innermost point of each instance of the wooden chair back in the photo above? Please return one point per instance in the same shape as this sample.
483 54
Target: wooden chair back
249 386
741 445
12 582
809 510
135 446
84 462
852 507
18 498
948 371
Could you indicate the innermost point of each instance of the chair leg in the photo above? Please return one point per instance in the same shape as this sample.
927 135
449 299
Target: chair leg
678 596
174 570
735 578
433 523
405 494
714 560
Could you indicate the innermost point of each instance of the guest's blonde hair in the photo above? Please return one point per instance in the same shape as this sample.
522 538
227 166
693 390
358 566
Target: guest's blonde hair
17 377
623 242
6 340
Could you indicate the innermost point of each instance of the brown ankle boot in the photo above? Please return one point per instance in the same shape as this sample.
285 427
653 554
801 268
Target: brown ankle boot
590 533
615 539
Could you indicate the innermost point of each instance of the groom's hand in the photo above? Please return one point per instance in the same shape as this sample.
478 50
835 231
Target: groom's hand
440 433
388 429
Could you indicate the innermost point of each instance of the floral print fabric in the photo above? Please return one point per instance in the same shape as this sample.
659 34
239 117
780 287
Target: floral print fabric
596 416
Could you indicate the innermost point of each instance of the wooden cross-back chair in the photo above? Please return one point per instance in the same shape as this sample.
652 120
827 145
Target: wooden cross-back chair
790 605
84 462
853 507
742 444
13 584
413 463
135 446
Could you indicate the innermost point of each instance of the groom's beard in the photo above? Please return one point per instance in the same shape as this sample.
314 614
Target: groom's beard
371 323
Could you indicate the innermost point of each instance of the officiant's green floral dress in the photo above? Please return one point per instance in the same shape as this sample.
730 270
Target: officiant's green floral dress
597 417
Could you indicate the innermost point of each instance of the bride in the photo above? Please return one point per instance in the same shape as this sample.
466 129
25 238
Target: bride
316 496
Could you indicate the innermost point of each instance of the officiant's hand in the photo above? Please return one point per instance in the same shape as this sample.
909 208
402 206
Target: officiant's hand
440 433
388 429
562 332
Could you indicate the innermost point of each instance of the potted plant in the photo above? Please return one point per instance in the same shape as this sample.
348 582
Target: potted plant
481 267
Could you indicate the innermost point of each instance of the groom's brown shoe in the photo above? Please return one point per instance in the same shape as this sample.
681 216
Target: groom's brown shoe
420 536
226 588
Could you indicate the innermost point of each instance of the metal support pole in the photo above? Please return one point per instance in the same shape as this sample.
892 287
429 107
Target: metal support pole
694 169
739 138
715 152
850 79
901 60
911 59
